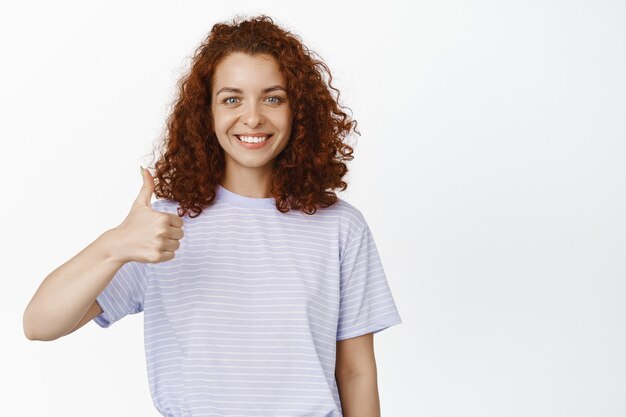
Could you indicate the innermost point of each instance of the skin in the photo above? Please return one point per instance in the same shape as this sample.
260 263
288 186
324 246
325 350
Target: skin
249 171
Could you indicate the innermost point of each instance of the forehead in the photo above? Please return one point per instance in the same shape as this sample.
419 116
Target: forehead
247 72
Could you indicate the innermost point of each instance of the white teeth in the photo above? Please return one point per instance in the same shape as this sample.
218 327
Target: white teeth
250 139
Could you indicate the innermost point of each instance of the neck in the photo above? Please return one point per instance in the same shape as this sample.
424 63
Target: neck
249 183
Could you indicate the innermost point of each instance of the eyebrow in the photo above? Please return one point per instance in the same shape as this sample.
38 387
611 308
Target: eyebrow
238 91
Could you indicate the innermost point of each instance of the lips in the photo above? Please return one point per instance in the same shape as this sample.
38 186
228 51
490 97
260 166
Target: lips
255 136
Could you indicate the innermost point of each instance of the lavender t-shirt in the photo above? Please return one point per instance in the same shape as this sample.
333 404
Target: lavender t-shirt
244 320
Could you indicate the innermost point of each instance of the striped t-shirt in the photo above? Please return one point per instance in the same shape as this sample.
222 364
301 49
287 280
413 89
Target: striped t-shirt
244 320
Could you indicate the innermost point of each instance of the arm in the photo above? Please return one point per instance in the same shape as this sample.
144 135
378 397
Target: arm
69 292
66 299
356 376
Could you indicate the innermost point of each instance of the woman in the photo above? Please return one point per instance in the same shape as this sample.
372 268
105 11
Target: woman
269 303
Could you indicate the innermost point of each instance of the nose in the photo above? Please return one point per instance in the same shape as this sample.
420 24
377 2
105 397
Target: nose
252 115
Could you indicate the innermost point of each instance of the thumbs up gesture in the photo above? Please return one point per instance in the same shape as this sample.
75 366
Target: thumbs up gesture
147 235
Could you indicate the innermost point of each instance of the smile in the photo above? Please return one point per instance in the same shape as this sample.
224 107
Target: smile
252 139
253 142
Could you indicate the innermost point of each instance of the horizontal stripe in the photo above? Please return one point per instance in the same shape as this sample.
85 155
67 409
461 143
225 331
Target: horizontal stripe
245 319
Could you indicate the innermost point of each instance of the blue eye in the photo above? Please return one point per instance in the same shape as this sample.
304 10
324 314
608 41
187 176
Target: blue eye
277 101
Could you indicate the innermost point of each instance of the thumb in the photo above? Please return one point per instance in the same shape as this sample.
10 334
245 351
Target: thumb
147 188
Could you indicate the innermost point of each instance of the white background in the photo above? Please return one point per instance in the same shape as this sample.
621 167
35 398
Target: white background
491 170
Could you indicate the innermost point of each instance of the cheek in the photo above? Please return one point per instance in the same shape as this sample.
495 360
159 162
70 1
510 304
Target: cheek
222 123
286 121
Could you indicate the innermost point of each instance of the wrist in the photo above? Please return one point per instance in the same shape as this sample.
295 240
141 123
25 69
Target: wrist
111 244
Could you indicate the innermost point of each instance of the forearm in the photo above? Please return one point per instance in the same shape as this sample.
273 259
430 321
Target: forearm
359 395
67 292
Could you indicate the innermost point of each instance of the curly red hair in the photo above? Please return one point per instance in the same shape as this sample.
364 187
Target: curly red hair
311 166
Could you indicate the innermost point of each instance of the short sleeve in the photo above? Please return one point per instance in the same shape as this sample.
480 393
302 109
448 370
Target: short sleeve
366 302
124 295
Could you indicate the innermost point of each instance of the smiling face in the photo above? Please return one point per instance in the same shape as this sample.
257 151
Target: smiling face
249 97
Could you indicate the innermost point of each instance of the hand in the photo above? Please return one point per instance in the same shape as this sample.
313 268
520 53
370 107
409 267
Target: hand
147 235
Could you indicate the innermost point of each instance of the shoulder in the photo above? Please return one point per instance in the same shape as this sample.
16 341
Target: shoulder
353 228
349 215
351 224
165 205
